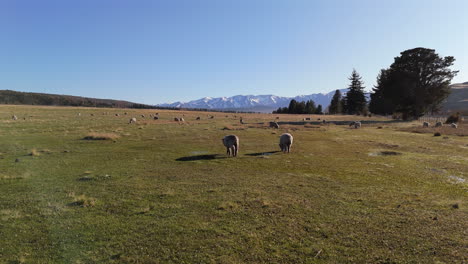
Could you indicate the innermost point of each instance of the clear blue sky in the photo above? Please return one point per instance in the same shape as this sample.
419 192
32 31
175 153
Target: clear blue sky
164 51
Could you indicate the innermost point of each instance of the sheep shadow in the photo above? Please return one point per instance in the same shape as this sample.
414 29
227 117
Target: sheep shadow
262 153
201 157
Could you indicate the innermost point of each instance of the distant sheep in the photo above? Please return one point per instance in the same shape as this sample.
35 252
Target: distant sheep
438 124
176 119
116 114
79 114
454 125
285 143
211 117
324 121
242 121
357 124
132 120
155 118
274 125
198 118
352 124
277 117
306 118
143 116
14 117
231 142
182 119
426 124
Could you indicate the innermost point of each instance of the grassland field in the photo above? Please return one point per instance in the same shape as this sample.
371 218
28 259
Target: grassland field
161 191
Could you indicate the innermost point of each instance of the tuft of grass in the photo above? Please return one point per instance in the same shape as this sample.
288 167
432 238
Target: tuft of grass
82 200
34 152
101 136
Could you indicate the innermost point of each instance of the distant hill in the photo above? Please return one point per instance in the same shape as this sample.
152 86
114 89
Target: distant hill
14 97
457 101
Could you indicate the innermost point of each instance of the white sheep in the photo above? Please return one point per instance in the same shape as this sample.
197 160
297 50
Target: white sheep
357 124
454 125
182 119
286 141
231 142
438 124
14 117
352 123
132 120
426 124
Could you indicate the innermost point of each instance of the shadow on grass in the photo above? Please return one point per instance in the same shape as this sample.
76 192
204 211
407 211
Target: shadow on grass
262 153
201 157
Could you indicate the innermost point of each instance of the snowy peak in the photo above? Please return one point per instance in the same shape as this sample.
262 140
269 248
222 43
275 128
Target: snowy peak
267 102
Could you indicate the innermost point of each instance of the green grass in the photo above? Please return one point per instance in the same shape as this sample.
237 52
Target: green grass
165 192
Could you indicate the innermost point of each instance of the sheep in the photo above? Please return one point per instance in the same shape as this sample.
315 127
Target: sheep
426 124
242 121
143 116
211 117
454 125
438 124
125 113
352 123
277 117
155 118
79 114
198 118
274 125
176 119
132 120
306 118
116 114
182 119
286 141
357 124
14 117
231 142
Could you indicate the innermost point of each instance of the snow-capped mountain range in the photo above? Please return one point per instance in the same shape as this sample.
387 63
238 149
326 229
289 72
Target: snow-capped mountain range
258 103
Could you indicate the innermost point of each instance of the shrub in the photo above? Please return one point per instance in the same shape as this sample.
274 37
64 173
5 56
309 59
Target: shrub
453 118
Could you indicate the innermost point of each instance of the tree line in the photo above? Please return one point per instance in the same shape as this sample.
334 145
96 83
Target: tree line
304 107
416 83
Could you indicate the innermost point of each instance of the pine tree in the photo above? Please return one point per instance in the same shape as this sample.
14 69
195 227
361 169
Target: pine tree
319 111
335 104
355 98
417 82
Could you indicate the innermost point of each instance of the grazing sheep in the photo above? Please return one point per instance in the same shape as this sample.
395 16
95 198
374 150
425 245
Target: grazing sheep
14 117
143 116
211 117
242 121
426 124
79 114
454 125
286 141
231 142
306 118
176 119
198 118
132 120
438 124
92 114
357 124
182 119
274 125
155 118
116 114
352 123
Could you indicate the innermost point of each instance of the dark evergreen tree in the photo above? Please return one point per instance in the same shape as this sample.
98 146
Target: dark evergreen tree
418 81
319 111
355 98
335 104
378 103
